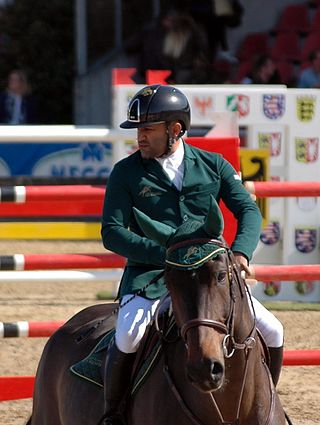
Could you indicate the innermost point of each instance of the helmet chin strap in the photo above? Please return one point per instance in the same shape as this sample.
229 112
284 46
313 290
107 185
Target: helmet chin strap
171 141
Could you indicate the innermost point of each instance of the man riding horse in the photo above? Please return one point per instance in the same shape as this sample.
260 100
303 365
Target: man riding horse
171 182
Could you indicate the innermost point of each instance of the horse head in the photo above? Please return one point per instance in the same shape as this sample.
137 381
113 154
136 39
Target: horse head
199 275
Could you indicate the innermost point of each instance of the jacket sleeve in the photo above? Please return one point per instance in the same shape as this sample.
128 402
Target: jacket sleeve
244 209
116 236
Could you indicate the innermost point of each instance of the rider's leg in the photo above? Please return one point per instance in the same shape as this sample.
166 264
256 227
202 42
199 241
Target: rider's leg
117 373
133 319
276 358
272 331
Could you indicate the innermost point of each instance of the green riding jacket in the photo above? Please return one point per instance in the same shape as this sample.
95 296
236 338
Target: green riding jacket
142 183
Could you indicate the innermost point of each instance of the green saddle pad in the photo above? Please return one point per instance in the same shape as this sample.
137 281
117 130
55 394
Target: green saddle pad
89 368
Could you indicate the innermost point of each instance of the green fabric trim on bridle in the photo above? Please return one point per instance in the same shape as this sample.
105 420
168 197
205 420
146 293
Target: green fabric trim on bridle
192 256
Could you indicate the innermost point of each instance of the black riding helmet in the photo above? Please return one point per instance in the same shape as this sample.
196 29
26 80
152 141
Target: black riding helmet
156 104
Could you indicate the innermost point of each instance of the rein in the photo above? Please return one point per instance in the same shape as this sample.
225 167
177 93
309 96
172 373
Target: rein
229 340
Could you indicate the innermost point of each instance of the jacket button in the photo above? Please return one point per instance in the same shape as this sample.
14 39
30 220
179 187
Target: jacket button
185 217
181 198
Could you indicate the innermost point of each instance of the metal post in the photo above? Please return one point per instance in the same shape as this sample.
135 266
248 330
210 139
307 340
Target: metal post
81 47
118 23
156 8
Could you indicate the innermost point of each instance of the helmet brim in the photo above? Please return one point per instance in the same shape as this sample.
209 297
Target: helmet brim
131 124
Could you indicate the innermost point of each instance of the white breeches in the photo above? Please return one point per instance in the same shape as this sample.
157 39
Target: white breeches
134 317
270 327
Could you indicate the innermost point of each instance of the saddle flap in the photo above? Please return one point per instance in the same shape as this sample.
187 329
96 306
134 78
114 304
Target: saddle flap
148 354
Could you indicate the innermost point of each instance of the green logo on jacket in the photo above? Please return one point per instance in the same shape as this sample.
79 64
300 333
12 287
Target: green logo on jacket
148 191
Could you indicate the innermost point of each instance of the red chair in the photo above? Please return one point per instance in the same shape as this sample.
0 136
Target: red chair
315 23
286 47
222 69
314 3
294 18
287 72
222 65
311 43
254 44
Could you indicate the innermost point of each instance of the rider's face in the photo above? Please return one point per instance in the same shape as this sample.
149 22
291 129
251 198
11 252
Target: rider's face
152 140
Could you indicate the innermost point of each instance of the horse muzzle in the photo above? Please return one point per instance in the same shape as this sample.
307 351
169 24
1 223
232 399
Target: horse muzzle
207 375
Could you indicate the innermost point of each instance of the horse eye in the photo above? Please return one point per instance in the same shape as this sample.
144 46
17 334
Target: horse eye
221 276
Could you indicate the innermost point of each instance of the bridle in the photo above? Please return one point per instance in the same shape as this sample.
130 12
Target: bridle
229 344
228 327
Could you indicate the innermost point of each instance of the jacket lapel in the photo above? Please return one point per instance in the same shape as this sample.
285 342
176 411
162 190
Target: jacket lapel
189 162
154 168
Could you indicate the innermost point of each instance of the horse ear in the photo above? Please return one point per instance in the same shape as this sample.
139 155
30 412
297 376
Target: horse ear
214 223
153 229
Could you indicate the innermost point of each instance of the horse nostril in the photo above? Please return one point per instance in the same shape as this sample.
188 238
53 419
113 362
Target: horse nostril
207 374
217 369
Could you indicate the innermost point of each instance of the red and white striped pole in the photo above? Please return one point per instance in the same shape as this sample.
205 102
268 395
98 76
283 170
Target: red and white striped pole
19 387
270 189
21 262
28 329
27 262
301 358
22 194
71 193
270 273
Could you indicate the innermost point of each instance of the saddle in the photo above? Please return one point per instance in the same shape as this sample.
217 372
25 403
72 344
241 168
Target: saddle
89 368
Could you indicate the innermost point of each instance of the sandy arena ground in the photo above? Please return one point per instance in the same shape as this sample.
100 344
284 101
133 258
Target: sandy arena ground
299 387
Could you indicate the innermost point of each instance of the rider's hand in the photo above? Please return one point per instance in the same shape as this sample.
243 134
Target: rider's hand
247 272
242 262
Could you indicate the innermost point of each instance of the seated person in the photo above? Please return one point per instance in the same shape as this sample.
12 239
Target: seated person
161 116
310 77
264 71
17 104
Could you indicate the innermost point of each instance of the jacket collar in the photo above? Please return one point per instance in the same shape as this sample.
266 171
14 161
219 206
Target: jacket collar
188 152
153 167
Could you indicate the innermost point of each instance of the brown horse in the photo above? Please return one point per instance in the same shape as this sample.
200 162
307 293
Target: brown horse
215 374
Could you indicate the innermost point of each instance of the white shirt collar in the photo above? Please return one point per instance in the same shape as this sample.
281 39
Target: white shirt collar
176 158
173 165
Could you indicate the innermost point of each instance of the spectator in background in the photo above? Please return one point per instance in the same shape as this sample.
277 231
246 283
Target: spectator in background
17 105
228 14
175 43
264 71
185 50
310 77
215 17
